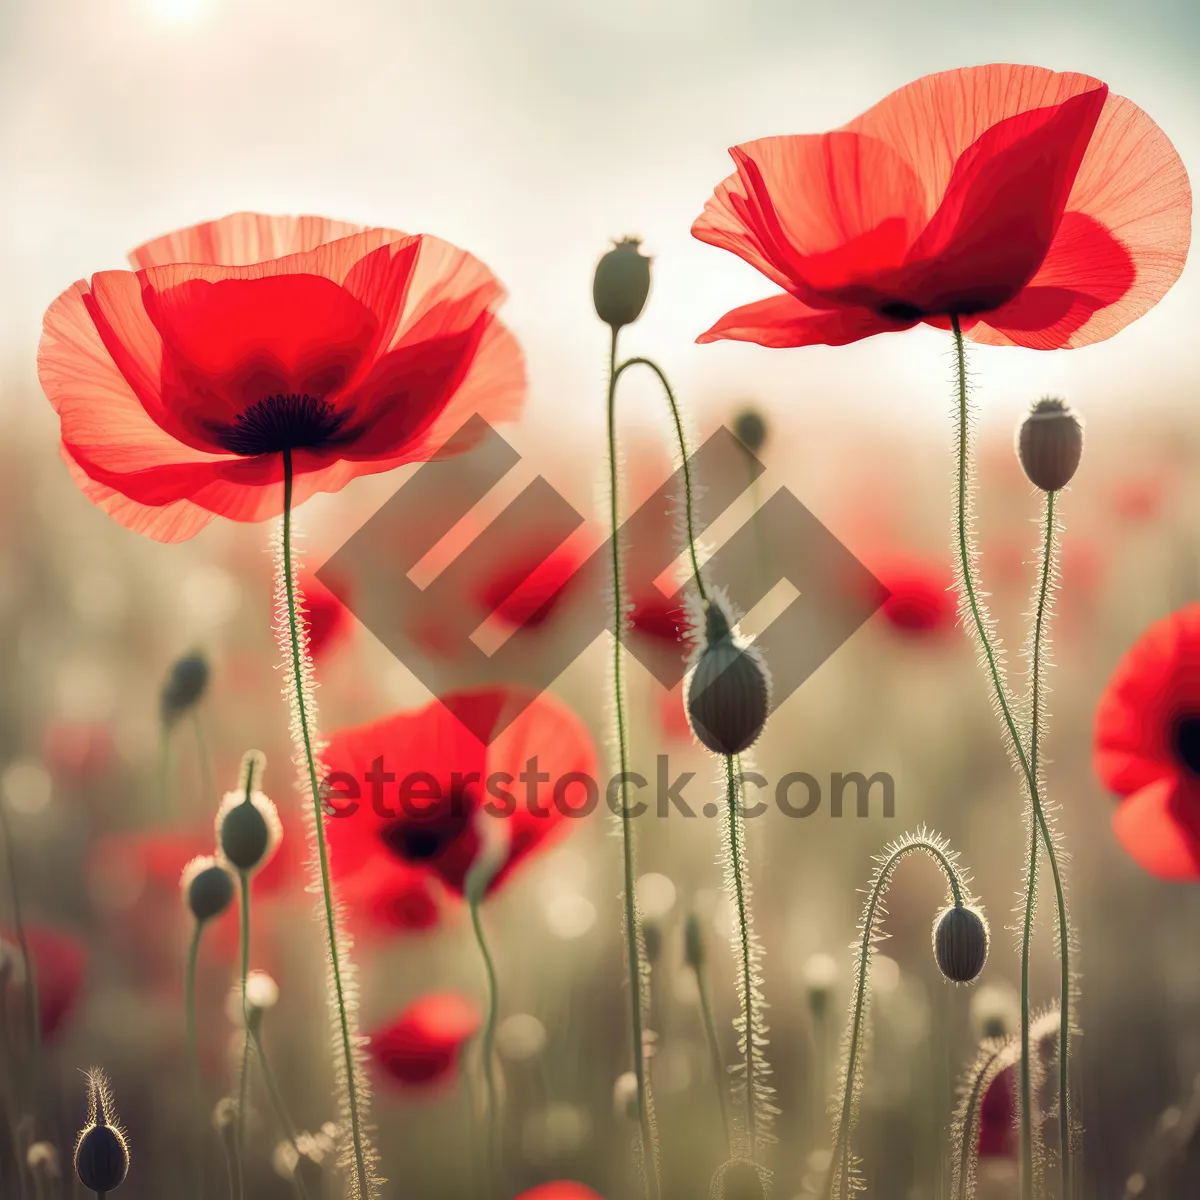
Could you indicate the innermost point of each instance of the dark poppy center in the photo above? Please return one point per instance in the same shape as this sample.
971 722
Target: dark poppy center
422 837
282 422
901 310
1187 742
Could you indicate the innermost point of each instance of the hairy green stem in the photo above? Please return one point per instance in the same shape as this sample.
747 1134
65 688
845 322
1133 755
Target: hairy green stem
745 958
1027 770
488 1048
840 1162
633 932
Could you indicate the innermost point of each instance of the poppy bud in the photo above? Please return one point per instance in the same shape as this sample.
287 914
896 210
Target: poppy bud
248 828
184 686
693 943
622 283
738 1179
207 887
960 943
751 429
101 1153
1049 444
729 692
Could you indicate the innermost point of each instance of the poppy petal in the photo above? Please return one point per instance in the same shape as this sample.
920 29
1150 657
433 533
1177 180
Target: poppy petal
1159 827
785 321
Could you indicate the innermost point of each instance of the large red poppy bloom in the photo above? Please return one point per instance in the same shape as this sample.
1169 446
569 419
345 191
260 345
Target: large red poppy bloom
1147 746
179 385
421 1047
413 789
1038 208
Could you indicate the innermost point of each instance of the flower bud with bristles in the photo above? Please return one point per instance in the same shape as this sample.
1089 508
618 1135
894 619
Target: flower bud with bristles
750 428
207 887
729 691
184 687
1050 444
248 828
621 283
960 943
739 1179
101 1153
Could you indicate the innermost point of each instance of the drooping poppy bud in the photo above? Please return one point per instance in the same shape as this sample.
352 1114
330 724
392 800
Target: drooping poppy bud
738 1179
729 691
960 943
184 687
207 886
621 283
1049 444
750 428
101 1153
248 827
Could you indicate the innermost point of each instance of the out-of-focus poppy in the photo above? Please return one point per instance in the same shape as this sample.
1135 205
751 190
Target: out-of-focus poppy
326 615
420 1048
997 1110
182 385
921 601
560 1189
414 788
386 895
59 968
1147 746
525 594
78 751
1037 207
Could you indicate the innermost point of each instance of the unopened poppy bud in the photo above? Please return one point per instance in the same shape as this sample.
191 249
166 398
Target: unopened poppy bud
1049 444
738 1179
207 887
729 690
693 942
750 427
248 828
960 943
184 686
101 1153
622 283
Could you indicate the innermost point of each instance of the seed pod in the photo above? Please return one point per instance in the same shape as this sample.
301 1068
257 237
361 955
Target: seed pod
1049 444
728 693
750 427
960 943
248 828
207 887
621 283
738 1179
101 1153
184 686
693 943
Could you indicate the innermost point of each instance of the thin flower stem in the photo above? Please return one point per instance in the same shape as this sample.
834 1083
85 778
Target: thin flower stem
840 1163
244 1072
633 932
189 1007
364 1188
32 1012
683 457
488 1047
745 964
1023 760
166 798
714 1052
282 1118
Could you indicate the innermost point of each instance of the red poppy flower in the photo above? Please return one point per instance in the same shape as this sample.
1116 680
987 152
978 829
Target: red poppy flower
561 1189
413 788
1037 207
59 967
920 600
421 1047
385 895
997 1110
78 751
179 385
525 594
1147 746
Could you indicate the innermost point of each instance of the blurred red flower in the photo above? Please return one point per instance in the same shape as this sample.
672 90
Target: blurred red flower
180 384
997 1111
921 601
59 967
413 788
78 751
526 593
561 1189
386 895
1042 210
421 1047
325 614
1147 746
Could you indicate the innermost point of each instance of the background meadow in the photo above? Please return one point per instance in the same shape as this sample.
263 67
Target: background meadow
532 133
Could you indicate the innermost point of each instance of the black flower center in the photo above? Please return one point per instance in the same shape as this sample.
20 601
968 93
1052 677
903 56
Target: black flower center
900 310
282 422
1187 742
423 836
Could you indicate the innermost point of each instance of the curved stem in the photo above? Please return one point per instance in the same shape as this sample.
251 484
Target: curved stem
840 1161
282 1118
745 963
683 457
487 1047
633 932
363 1188
1023 760
244 1071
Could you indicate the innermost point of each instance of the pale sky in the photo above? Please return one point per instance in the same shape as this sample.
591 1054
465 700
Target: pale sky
531 131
